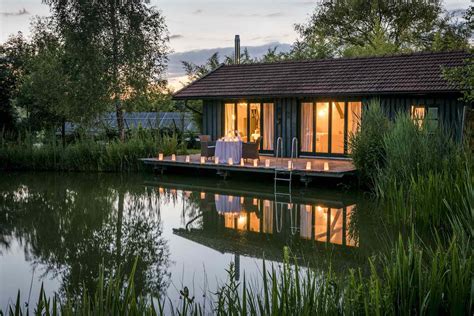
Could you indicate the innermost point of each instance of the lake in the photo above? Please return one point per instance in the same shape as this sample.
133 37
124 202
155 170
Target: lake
57 229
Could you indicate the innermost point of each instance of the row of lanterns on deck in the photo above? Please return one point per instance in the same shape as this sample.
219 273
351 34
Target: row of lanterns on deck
230 162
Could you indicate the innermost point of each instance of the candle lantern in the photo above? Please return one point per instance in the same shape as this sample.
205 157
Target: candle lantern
203 159
216 160
160 156
242 162
188 159
230 161
255 162
308 165
267 163
290 165
173 157
326 166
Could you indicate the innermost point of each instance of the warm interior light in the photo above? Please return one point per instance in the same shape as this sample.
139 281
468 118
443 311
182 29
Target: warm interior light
308 165
322 112
233 117
160 156
188 159
326 166
242 220
173 157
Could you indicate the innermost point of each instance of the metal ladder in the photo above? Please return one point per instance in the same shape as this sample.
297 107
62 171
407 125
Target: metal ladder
280 168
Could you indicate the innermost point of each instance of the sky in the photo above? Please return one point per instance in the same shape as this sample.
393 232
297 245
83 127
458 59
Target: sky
203 24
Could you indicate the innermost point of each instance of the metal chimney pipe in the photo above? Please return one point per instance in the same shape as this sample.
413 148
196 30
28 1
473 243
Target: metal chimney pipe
237 50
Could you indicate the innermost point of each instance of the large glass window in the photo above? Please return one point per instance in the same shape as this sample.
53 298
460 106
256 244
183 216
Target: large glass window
418 113
254 122
337 131
268 126
326 126
307 127
229 118
242 121
322 127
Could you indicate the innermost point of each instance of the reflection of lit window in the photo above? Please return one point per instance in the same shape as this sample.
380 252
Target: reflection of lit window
267 217
242 222
351 239
254 223
335 226
320 223
305 221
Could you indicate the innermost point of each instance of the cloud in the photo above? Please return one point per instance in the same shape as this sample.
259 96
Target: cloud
198 11
18 13
176 36
269 15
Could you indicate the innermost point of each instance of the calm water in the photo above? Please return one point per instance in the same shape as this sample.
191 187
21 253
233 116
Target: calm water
56 230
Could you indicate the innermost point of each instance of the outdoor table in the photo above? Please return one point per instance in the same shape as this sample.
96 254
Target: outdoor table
228 149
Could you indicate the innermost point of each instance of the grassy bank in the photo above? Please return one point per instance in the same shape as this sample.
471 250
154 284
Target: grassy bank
86 153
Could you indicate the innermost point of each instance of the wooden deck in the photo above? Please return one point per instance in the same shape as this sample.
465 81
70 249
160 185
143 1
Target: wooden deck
337 168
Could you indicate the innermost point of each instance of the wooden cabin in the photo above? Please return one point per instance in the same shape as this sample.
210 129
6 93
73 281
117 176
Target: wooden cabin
320 102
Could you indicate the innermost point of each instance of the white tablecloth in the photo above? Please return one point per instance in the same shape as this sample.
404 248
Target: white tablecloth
228 204
226 150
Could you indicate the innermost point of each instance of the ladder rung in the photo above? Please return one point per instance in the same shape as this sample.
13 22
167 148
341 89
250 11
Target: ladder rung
282 179
281 193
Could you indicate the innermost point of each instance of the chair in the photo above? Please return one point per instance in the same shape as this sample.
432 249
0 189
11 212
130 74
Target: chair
250 150
208 148
204 138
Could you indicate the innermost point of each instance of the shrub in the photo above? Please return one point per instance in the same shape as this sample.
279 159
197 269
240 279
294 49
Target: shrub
366 146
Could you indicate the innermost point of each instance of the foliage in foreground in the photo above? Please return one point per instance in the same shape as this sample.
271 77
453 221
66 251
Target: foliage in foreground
87 154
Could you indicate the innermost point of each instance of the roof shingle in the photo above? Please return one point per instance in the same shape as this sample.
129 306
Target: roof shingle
413 73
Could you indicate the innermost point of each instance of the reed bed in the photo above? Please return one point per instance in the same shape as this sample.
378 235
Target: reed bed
86 153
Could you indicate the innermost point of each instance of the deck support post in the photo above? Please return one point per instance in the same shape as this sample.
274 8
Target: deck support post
306 180
223 173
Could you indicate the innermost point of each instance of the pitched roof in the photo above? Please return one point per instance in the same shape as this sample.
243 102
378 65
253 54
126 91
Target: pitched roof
410 73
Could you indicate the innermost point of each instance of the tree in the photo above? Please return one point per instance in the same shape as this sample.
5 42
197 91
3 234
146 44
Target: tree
360 27
121 45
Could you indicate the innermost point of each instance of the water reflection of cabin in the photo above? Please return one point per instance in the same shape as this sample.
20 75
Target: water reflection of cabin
320 101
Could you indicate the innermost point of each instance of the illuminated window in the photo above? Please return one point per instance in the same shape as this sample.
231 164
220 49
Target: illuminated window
337 131
418 113
354 116
254 122
307 127
229 118
268 126
322 127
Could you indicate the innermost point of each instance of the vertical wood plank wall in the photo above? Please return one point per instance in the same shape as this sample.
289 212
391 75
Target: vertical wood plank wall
287 120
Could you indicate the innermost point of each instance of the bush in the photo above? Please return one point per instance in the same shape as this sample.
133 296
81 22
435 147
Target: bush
367 151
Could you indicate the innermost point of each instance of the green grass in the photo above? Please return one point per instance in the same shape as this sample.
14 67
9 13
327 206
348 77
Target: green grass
85 153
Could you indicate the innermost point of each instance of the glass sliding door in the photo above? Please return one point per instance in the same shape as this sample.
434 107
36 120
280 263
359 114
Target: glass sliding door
242 121
326 126
254 122
337 128
229 118
268 126
322 127
307 126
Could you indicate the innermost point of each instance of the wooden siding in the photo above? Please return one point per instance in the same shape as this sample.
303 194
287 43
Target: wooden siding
287 112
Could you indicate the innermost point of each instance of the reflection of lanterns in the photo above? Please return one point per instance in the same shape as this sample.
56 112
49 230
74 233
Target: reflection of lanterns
290 206
308 165
267 163
203 195
308 208
242 162
160 156
216 160
266 203
231 198
173 157
241 200
203 159
255 202
216 196
188 159
161 190
230 161
326 166
255 162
